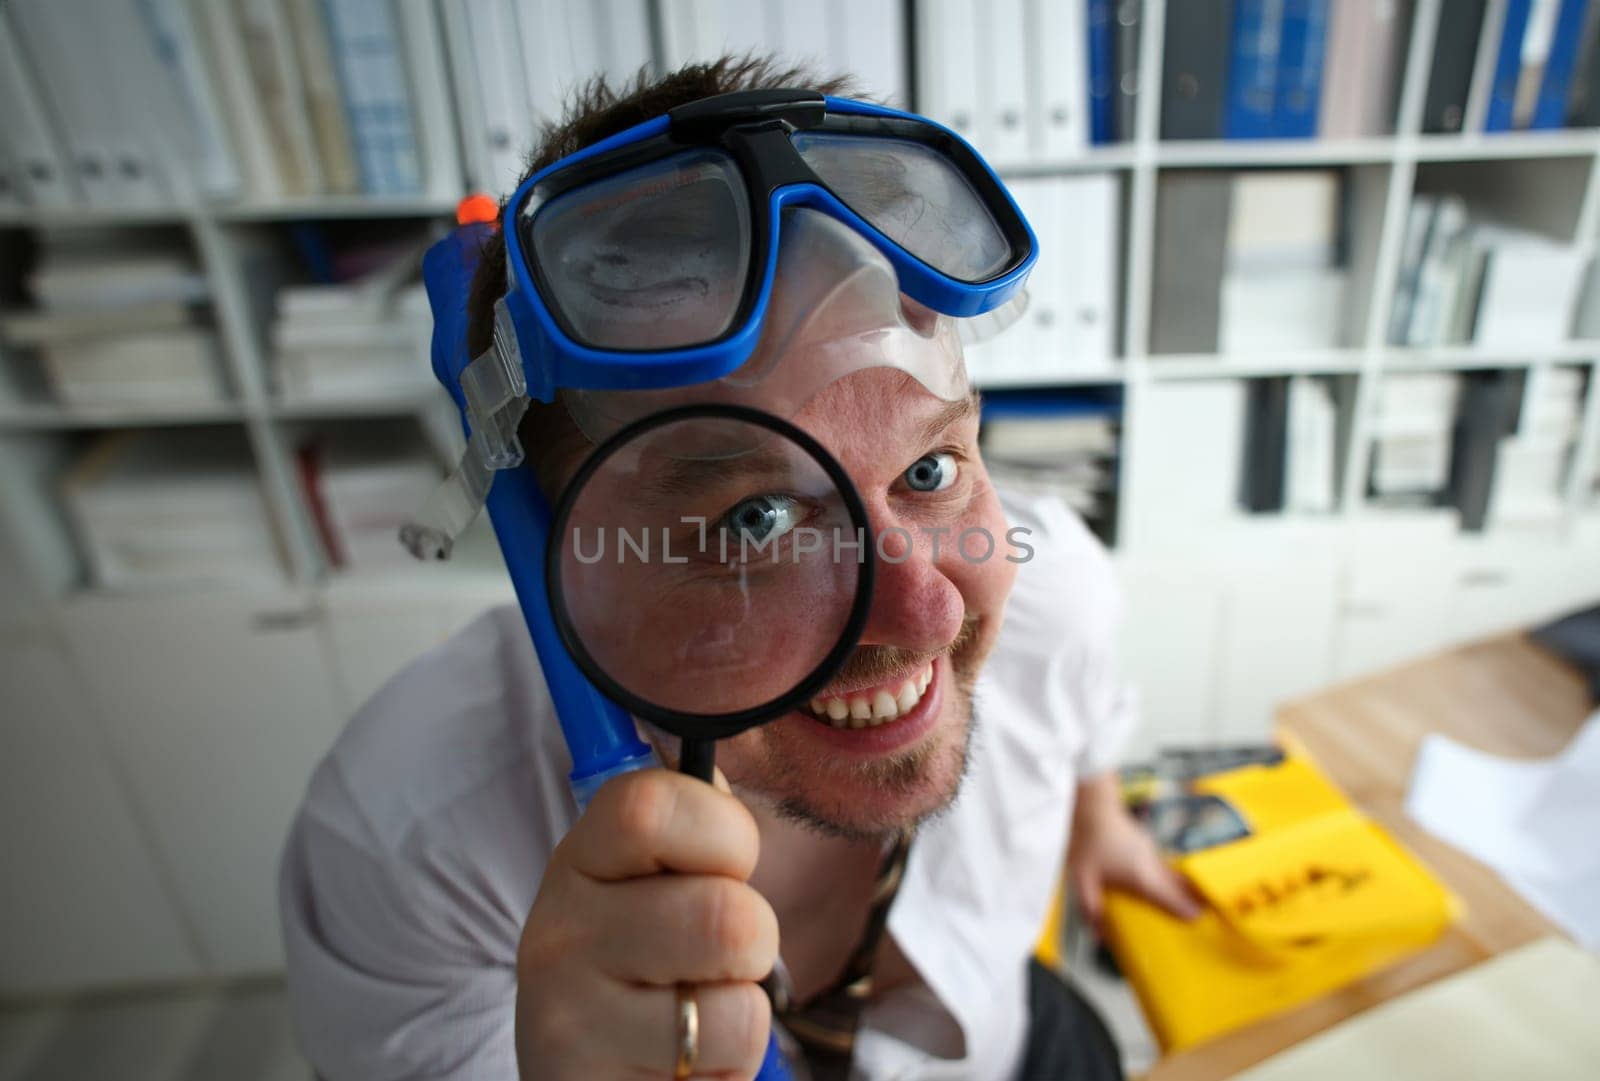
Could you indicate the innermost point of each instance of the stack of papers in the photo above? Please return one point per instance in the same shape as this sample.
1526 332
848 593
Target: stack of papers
364 339
1534 822
1530 466
1283 287
116 325
1462 280
1072 455
158 508
1411 452
364 482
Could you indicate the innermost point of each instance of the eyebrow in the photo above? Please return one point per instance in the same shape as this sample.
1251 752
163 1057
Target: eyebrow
771 466
951 414
690 476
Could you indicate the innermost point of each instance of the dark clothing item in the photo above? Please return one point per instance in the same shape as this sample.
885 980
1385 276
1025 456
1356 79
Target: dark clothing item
1067 1041
1576 639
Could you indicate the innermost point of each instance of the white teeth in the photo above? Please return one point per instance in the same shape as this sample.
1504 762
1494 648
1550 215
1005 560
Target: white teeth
860 711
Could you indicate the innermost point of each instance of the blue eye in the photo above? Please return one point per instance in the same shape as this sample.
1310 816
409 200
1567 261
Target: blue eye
932 473
762 518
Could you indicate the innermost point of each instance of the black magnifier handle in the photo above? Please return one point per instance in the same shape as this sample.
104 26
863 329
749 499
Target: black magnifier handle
698 758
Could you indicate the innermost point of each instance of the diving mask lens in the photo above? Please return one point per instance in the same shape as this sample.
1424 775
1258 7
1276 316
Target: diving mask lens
653 258
915 197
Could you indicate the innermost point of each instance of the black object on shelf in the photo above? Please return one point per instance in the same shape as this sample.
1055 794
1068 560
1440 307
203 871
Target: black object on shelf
1266 445
1455 53
1194 69
1576 639
1487 413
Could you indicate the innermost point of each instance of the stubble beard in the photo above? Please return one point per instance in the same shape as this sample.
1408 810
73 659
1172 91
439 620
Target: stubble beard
900 776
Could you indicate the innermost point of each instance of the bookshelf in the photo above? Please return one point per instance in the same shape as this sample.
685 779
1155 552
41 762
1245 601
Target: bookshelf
1211 590
1391 165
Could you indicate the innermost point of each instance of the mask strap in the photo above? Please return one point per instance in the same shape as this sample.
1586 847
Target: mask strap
496 394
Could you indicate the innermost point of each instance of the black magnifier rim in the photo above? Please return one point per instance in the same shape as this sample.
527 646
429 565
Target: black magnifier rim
710 725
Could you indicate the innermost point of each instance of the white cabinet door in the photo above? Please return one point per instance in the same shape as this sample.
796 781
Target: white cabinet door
1395 601
1169 649
373 632
1510 582
1586 558
82 901
1277 637
218 706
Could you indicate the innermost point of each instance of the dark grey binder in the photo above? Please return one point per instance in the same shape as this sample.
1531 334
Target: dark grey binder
1192 207
1455 52
1194 69
1266 444
1486 414
1583 100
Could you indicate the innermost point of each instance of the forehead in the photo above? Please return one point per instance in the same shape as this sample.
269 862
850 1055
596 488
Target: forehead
880 417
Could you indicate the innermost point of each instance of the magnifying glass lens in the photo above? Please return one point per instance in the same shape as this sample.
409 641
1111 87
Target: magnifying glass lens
708 570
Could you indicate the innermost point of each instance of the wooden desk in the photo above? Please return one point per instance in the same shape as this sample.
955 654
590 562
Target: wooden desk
1503 695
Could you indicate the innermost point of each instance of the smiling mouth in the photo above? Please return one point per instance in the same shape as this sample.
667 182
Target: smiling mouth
873 707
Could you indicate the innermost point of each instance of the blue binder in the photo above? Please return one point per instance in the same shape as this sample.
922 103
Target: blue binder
1550 111
1102 77
1300 58
1254 47
1507 67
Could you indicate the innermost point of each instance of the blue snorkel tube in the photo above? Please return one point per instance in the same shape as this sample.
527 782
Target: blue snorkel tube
600 735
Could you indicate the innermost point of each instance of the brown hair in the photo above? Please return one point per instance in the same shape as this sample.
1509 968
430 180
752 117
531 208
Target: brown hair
598 110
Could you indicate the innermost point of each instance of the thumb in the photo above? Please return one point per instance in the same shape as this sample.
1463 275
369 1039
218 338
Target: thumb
1168 889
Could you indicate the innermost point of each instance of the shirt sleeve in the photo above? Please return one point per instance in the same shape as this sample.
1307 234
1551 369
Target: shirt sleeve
1089 604
388 978
1111 708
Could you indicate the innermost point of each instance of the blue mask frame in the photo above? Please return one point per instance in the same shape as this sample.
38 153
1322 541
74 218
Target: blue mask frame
754 127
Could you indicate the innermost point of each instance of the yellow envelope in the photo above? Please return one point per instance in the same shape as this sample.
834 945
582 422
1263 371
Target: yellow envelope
1318 896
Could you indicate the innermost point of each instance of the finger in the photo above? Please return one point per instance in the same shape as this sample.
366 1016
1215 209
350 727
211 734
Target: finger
735 1020
668 929
655 820
1170 891
1091 900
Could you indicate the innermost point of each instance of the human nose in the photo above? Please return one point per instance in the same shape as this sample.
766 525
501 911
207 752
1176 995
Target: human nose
915 605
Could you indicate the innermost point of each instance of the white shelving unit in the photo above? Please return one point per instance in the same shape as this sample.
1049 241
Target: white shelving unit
1228 617
207 707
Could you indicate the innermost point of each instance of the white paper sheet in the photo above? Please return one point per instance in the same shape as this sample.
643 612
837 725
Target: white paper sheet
1535 822
1525 1014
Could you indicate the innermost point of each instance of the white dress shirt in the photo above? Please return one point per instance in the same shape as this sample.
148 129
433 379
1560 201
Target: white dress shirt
424 833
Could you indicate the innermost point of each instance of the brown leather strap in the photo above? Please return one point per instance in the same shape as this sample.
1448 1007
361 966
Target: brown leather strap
825 1027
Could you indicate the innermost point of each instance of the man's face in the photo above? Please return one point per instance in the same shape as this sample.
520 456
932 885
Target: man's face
885 743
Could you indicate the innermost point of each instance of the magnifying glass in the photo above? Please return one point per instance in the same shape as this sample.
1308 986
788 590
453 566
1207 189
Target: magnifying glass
709 569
